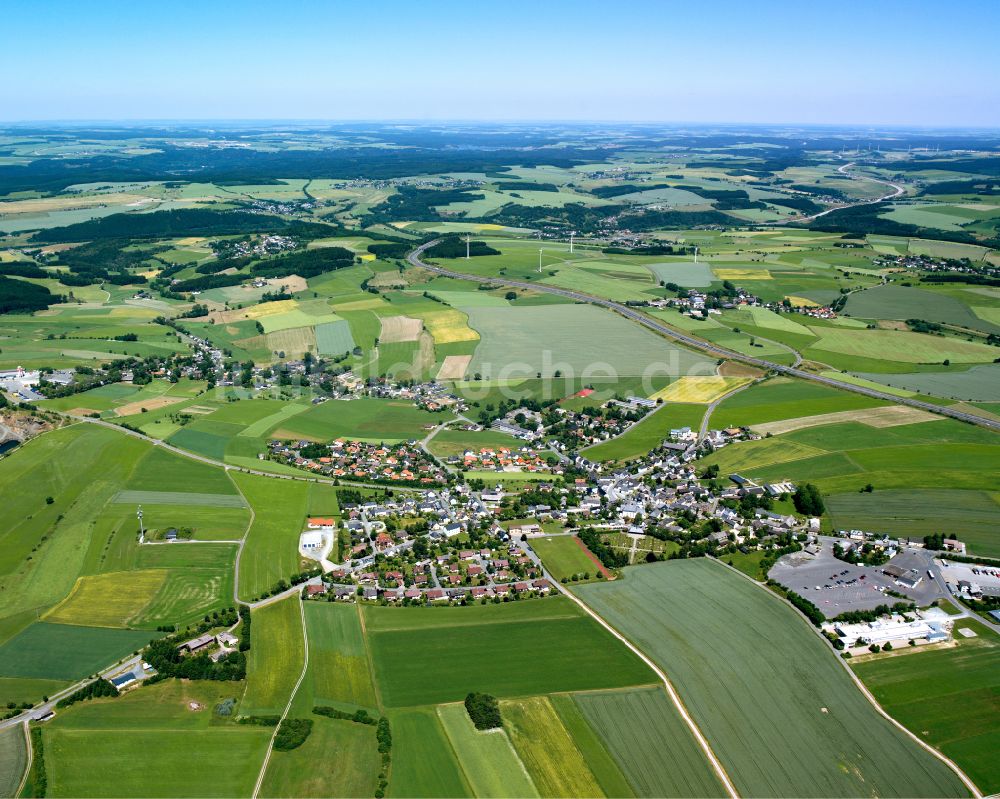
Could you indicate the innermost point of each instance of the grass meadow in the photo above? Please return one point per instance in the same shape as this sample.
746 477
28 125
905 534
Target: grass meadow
183 752
643 436
270 553
13 759
703 624
431 656
338 758
275 659
424 765
491 766
948 698
564 556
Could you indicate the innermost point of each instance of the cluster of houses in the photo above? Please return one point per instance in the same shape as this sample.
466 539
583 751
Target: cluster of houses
217 645
501 459
358 460
254 246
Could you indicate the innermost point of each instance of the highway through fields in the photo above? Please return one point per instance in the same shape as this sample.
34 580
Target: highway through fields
897 191
414 258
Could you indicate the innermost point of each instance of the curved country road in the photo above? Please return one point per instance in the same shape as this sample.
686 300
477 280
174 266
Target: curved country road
414 258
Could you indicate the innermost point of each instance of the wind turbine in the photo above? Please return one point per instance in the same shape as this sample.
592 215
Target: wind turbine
696 255
571 235
468 240
540 251
142 531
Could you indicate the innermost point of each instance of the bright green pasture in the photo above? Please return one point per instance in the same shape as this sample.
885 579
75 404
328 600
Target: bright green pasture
455 442
550 647
338 758
843 458
647 434
579 340
360 419
271 550
649 741
43 546
898 346
548 751
339 673
563 556
488 760
180 750
783 398
948 698
66 651
275 659
423 761
703 625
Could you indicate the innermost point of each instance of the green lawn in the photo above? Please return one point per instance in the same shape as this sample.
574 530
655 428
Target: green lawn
948 698
543 646
564 556
704 625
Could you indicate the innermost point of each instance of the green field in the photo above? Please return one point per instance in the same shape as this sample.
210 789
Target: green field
782 398
13 759
338 758
180 750
338 660
361 419
489 762
430 656
971 515
980 383
581 341
948 698
66 651
546 748
599 760
648 433
271 550
843 458
564 556
650 742
423 763
902 302
275 659
703 625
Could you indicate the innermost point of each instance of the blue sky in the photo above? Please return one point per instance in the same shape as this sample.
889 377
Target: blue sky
893 62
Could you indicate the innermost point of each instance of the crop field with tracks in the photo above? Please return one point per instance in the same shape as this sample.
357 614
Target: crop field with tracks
699 623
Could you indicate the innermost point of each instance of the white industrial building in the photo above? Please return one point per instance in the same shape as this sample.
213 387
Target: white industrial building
883 631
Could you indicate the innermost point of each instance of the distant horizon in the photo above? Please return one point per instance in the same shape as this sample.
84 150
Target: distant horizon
921 64
332 121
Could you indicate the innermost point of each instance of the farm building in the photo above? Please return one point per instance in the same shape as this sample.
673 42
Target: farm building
908 578
197 644
124 680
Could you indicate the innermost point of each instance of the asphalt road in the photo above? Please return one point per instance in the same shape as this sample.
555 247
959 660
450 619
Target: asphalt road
414 258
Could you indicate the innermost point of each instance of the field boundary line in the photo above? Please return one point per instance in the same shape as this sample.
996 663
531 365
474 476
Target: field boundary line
707 416
291 698
242 541
30 752
861 686
369 659
706 748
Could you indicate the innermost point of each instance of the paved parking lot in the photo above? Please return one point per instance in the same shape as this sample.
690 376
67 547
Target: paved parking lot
843 586
986 577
